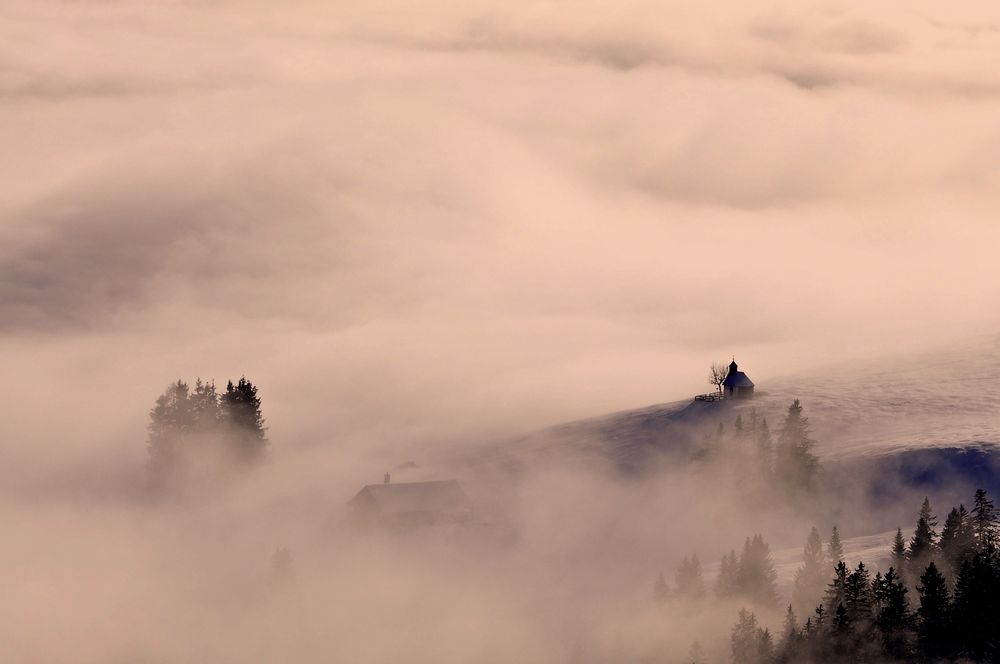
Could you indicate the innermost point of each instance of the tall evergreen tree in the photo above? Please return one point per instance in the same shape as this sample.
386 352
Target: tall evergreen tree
689 580
795 464
984 524
923 544
836 591
857 595
934 612
834 549
898 555
170 423
756 576
743 640
810 579
893 618
958 541
749 643
977 609
241 411
206 411
726 585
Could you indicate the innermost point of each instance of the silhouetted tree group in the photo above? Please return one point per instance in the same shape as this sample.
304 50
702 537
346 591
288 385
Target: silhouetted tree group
787 464
749 575
956 614
202 426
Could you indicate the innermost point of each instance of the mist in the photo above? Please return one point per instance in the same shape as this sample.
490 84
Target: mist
432 235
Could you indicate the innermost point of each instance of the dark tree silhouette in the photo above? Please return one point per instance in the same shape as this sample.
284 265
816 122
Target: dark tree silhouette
934 612
717 373
984 524
795 464
923 544
242 413
977 609
958 540
194 433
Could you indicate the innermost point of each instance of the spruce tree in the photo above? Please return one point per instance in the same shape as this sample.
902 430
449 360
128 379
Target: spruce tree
170 424
756 576
837 589
977 609
934 613
858 597
242 413
893 618
923 544
689 580
726 586
743 640
795 464
984 524
958 541
810 579
790 637
898 555
835 549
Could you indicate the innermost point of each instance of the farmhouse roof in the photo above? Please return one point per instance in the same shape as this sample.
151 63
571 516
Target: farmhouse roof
438 497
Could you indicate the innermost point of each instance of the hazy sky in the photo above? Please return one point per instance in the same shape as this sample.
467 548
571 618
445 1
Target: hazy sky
453 220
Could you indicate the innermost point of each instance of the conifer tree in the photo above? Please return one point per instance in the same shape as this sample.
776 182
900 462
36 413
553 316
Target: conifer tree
170 424
923 543
857 596
795 464
756 576
984 524
728 570
744 637
958 541
837 589
934 613
241 411
834 550
977 609
810 579
206 411
893 617
689 580
790 637
898 555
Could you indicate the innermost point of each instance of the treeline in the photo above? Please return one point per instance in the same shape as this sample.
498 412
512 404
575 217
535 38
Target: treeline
202 428
785 463
954 580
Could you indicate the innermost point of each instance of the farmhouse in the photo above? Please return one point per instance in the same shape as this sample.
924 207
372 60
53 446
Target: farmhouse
737 384
412 503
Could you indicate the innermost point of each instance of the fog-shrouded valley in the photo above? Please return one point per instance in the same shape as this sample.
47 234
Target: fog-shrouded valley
489 332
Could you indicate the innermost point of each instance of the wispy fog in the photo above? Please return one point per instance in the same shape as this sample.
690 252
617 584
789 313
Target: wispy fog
421 229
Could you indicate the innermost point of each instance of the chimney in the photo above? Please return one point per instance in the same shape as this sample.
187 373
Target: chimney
385 480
